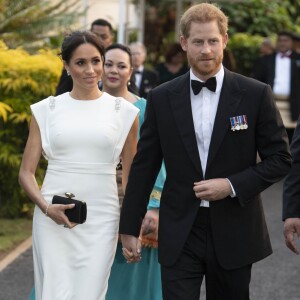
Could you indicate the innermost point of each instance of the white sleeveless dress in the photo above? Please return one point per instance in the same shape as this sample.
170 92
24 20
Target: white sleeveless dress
82 140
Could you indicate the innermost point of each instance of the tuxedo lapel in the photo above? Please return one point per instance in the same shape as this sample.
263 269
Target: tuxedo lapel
180 102
230 98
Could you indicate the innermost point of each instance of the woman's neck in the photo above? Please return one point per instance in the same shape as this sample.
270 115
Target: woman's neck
85 94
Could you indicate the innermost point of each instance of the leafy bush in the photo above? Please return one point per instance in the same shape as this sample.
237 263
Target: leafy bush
24 79
245 50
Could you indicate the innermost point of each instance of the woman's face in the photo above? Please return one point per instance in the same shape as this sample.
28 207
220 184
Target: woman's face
117 69
85 66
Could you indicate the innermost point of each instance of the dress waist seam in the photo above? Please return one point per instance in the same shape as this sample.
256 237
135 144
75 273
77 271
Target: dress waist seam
83 168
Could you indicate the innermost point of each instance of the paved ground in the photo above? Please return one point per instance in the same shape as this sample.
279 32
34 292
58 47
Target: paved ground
275 278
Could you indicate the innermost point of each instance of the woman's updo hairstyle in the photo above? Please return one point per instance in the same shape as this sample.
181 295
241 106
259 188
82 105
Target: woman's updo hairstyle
75 39
122 47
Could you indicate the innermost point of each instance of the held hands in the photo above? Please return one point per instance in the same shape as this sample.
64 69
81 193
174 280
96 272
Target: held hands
212 189
131 248
57 213
291 230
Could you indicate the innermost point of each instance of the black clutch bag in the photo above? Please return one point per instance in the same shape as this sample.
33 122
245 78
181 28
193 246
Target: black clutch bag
77 214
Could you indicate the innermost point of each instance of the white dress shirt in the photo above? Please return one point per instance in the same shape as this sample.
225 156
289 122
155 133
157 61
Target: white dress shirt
282 80
138 76
204 109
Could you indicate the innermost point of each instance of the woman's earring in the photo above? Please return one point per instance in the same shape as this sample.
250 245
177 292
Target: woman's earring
68 73
128 83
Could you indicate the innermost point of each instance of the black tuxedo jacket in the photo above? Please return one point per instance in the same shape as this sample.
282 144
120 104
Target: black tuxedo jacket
65 83
149 81
291 187
238 224
264 70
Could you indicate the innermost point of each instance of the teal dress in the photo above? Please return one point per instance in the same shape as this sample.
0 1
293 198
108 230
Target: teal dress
141 280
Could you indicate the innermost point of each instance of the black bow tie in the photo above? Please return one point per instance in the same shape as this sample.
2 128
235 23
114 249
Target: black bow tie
282 55
211 84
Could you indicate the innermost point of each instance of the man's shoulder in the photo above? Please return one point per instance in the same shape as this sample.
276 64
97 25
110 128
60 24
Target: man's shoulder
245 82
174 83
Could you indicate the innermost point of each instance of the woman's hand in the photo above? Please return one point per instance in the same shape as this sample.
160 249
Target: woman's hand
57 213
150 222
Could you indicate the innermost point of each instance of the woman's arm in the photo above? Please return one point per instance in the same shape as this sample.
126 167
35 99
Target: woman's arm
27 180
128 152
31 158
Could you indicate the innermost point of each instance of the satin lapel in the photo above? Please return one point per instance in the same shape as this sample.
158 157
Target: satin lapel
229 100
180 102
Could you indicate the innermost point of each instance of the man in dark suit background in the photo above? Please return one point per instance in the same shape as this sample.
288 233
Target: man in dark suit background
145 79
291 196
208 126
104 32
281 70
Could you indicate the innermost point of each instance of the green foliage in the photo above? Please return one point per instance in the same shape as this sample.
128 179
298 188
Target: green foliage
36 23
245 49
12 233
259 16
24 79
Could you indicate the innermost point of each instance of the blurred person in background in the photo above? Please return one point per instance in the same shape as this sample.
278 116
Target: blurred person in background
174 63
145 79
281 70
291 197
296 42
266 47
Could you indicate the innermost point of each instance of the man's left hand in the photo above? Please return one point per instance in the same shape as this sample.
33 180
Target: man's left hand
291 230
212 189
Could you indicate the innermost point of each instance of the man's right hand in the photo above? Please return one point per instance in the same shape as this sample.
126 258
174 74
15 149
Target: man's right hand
131 248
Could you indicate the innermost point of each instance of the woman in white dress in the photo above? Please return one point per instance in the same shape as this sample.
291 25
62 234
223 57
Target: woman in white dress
82 134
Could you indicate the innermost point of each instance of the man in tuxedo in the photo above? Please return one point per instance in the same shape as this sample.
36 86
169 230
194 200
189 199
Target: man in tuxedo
145 79
104 32
208 126
281 70
291 196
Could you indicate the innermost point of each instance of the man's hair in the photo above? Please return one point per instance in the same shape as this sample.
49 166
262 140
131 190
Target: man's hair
285 33
102 22
139 45
203 13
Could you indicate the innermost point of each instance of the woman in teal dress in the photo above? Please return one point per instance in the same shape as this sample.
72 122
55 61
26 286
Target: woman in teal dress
142 280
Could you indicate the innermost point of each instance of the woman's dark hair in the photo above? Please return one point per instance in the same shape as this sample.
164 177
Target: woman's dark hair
173 50
123 48
74 40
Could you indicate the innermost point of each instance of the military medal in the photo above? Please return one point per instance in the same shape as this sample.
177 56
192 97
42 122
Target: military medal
245 121
232 123
237 124
241 122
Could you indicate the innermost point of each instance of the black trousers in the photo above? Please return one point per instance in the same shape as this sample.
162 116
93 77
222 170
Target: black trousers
183 280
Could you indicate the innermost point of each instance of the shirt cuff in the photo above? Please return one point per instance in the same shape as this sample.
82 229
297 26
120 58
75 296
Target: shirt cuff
233 194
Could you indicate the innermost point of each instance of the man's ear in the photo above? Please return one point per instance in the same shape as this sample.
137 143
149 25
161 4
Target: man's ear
225 40
183 43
